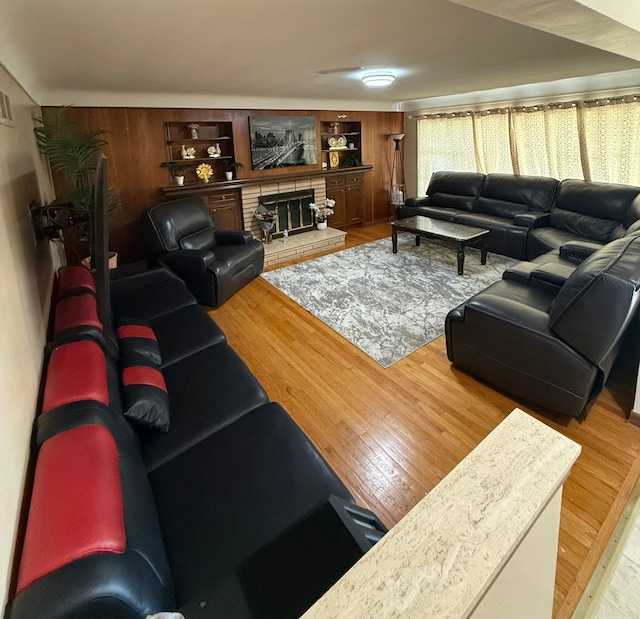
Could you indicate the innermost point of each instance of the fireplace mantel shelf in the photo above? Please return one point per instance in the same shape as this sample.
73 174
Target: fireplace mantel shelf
259 180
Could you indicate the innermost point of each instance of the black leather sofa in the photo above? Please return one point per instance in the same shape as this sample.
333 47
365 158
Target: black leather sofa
550 330
232 512
530 215
182 236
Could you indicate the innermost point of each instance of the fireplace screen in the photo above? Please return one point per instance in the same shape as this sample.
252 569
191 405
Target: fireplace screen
292 211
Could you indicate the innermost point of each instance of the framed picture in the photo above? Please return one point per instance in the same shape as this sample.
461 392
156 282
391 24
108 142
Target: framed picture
282 141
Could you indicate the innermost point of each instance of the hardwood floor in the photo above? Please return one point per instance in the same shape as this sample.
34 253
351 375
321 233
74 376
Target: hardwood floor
392 434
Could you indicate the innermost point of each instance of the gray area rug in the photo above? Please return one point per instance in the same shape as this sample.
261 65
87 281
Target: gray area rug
388 304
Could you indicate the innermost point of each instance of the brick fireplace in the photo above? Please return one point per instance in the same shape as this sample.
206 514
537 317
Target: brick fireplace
299 245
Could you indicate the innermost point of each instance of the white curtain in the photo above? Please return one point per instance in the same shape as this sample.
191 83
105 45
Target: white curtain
444 143
595 140
491 135
612 135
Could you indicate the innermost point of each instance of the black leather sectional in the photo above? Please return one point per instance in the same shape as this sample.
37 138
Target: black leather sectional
530 215
232 512
550 330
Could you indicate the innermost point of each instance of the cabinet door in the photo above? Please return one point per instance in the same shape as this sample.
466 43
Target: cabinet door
354 195
226 210
336 191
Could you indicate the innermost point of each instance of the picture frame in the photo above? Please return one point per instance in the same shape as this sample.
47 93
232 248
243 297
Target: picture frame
282 141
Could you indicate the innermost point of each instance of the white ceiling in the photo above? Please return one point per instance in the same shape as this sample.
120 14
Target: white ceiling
283 53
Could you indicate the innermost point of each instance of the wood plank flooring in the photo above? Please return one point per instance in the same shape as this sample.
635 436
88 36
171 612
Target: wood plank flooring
392 434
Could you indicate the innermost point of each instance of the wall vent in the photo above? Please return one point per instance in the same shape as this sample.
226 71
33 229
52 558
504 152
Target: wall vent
6 115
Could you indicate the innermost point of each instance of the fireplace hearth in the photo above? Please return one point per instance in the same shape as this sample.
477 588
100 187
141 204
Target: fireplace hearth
292 211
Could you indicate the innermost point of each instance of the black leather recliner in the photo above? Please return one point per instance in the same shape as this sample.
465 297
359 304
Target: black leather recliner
550 333
182 236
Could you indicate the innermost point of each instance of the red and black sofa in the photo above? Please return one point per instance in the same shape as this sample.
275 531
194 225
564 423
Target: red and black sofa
165 479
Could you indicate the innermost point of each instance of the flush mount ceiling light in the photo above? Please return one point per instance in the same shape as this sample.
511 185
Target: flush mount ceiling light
379 79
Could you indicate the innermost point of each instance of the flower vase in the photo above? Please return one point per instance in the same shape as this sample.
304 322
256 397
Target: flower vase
321 225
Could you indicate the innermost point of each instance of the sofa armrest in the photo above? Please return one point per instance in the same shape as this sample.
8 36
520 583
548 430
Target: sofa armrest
579 250
426 201
233 237
186 262
532 219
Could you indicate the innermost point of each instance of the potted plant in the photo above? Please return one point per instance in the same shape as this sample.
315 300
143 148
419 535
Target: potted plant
74 153
177 169
350 160
230 166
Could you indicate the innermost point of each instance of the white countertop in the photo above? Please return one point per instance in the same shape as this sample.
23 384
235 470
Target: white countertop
439 560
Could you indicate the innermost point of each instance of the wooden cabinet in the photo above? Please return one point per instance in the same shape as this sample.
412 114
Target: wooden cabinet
341 144
336 191
353 185
226 209
347 191
192 143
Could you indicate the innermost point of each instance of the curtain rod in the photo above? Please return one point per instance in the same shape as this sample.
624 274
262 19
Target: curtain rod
530 108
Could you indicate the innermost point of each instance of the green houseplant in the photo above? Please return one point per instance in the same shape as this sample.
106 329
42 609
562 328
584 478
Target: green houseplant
177 170
74 153
230 166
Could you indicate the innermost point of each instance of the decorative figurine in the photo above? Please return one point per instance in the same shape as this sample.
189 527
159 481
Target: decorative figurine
183 152
194 130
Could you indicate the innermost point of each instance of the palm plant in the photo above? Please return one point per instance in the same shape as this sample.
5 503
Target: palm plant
71 151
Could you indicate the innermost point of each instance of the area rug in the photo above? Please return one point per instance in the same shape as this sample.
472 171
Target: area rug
387 304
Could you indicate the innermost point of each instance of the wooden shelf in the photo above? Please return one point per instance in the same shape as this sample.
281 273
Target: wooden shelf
192 141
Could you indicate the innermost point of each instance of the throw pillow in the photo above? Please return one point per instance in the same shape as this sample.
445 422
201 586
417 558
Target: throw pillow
145 397
137 340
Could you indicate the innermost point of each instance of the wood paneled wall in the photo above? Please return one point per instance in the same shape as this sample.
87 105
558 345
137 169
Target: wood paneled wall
137 147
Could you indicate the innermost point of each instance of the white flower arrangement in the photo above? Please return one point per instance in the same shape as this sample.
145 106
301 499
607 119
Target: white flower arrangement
323 211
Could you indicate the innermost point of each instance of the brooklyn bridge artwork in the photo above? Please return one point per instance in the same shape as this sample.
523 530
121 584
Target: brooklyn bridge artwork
282 141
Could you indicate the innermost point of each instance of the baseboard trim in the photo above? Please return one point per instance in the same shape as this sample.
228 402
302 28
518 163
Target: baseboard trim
634 417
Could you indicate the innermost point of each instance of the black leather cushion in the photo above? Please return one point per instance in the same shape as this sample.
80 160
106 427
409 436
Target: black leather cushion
207 391
176 342
164 225
457 190
200 239
506 195
592 210
505 238
435 212
149 294
543 240
265 474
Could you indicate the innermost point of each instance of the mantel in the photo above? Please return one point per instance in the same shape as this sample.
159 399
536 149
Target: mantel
192 188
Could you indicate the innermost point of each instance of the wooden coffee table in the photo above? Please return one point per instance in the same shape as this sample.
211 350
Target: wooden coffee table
436 229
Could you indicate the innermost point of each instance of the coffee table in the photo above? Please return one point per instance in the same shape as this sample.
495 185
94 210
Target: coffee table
436 229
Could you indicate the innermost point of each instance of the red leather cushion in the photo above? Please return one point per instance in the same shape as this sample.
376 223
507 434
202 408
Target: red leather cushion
76 311
142 375
136 331
76 371
76 508
71 277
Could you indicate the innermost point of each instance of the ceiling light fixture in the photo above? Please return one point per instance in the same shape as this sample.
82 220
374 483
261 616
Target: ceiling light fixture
379 79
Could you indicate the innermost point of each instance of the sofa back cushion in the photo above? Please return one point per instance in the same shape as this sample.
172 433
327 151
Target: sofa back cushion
596 211
507 195
598 299
179 224
76 508
455 189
